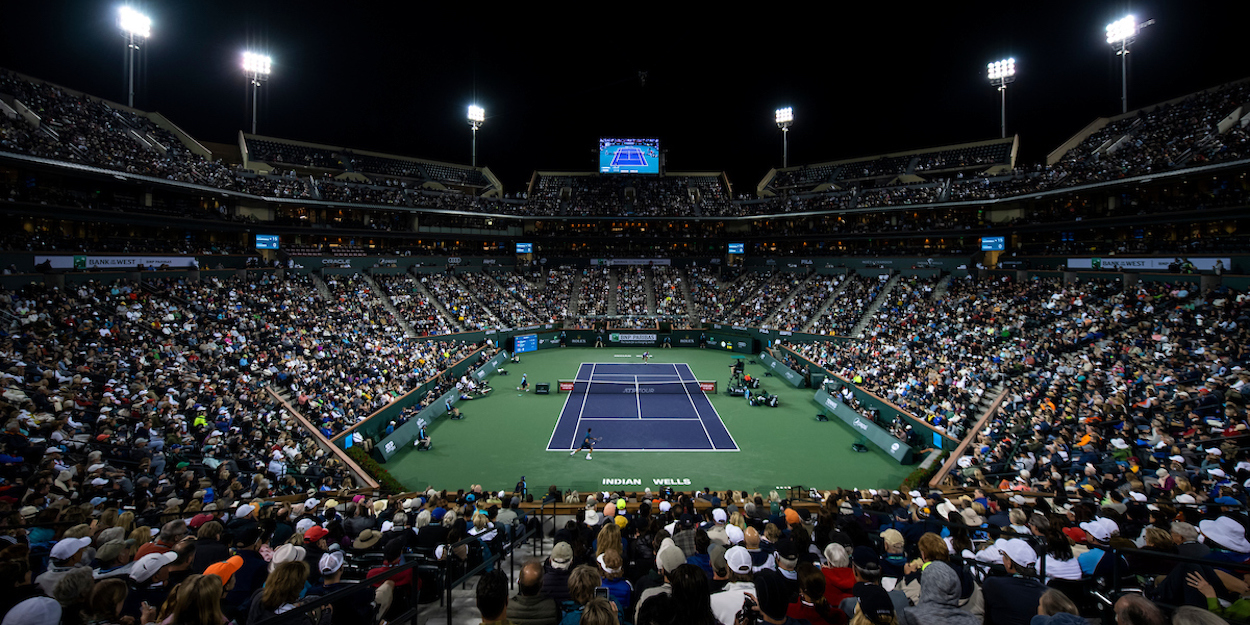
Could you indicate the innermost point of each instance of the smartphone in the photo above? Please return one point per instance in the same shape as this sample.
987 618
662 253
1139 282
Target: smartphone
601 591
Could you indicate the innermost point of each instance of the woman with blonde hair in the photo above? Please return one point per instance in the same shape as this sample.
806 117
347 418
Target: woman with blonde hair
126 521
609 539
142 535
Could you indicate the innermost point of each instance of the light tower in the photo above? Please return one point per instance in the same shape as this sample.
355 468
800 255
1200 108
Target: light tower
1120 34
477 117
785 119
1001 74
135 27
257 67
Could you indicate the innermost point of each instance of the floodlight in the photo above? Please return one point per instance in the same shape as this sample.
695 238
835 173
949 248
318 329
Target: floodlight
477 117
1120 34
257 64
999 70
1122 30
258 67
135 26
134 22
1002 73
785 115
785 119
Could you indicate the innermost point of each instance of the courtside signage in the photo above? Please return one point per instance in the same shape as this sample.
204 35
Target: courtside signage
628 338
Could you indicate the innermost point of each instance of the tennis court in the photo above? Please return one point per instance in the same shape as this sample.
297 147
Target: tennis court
628 156
647 407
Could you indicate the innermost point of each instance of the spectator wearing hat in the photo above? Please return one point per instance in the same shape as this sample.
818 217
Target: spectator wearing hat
866 566
367 541
556 570
874 607
226 570
530 606
209 547
1098 534
67 554
684 532
1227 538
350 610
251 574
244 519
147 582
314 547
34 611
1013 599
740 581
113 559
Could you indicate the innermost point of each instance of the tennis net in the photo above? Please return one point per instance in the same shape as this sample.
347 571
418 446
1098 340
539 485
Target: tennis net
673 387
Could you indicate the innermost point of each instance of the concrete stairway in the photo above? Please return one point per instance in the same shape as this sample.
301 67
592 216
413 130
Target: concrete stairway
575 287
833 297
648 282
872 309
322 287
383 298
613 281
438 305
939 291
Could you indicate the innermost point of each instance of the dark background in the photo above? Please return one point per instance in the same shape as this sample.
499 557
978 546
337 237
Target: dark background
863 78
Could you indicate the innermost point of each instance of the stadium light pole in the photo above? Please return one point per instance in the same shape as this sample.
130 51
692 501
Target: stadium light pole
477 117
785 119
135 26
1120 34
1001 74
257 67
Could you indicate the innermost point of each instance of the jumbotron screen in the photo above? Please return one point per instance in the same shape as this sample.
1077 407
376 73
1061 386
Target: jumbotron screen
629 156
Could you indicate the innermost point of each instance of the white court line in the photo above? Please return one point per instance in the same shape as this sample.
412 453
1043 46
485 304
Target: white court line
638 396
578 429
658 419
736 446
696 412
551 442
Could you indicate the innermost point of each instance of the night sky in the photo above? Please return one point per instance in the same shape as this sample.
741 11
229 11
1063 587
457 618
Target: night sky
863 78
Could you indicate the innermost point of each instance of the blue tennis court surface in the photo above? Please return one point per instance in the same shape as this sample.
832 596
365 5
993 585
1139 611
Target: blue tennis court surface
626 417
626 156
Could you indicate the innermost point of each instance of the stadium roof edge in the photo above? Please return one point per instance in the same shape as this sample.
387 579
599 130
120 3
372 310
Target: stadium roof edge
339 148
939 148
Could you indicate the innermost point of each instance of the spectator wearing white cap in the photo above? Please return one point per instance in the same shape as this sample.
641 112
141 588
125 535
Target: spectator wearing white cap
1013 599
556 572
716 531
147 582
666 561
244 520
351 609
740 580
67 554
34 611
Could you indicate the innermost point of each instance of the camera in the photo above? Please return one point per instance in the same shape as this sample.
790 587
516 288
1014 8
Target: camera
747 615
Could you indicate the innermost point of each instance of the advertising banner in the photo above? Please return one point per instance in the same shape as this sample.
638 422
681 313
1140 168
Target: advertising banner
1143 264
878 436
779 368
114 262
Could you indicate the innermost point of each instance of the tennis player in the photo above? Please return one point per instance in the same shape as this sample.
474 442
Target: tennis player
646 358
588 443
